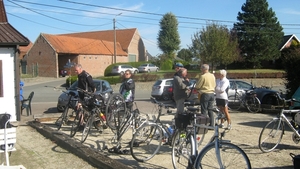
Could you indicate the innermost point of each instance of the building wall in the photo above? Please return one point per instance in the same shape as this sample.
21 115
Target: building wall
42 59
137 48
95 64
7 102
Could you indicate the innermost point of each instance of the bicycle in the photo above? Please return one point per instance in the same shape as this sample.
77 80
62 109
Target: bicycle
248 100
218 153
271 134
115 109
71 104
131 120
147 140
94 104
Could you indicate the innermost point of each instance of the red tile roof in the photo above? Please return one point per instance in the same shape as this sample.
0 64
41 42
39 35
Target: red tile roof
76 45
8 34
123 36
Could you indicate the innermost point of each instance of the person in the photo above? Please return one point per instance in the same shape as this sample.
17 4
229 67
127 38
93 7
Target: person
127 89
177 66
222 86
180 86
206 87
85 82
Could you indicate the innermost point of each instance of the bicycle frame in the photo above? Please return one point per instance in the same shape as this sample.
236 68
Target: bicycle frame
282 116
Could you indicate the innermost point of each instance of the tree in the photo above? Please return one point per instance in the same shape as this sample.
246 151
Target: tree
215 44
259 33
185 54
168 36
291 61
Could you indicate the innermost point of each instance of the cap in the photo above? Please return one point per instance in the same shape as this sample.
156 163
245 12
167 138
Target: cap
178 64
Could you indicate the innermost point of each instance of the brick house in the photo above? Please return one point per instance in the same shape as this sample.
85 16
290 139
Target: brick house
94 50
10 42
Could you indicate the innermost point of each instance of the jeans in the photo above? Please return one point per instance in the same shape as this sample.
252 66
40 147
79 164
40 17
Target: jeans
206 103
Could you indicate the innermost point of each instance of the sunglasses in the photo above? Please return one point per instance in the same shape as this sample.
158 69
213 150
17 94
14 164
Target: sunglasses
127 74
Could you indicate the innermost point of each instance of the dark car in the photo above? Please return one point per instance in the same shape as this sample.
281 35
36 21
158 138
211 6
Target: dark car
102 86
269 99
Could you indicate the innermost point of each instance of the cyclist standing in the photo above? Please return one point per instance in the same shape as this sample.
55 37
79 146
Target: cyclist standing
127 89
222 97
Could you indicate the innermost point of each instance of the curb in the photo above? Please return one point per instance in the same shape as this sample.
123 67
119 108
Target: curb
92 156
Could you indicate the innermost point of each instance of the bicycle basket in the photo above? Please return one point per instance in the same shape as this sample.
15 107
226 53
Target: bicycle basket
202 119
183 120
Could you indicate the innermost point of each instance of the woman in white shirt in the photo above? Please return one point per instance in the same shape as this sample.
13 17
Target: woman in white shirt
222 86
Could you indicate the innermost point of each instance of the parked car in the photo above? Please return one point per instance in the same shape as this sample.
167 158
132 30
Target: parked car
149 67
163 89
296 96
102 86
120 69
269 99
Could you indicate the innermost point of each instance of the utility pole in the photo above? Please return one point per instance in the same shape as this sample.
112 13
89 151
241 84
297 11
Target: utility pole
115 39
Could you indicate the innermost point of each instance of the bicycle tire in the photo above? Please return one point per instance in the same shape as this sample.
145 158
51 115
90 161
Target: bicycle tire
182 149
115 106
146 142
87 128
253 104
271 135
231 155
75 124
234 102
62 119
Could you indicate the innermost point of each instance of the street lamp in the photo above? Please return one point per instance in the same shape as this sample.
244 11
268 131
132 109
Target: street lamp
115 54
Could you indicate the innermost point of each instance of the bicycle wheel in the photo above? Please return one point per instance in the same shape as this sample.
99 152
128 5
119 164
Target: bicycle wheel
231 157
234 102
75 124
87 128
253 104
271 135
146 142
115 111
63 119
182 149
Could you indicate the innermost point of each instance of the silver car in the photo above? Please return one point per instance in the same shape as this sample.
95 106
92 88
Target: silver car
149 67
120 69
102 86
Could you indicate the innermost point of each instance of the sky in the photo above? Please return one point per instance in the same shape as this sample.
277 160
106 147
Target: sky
32 17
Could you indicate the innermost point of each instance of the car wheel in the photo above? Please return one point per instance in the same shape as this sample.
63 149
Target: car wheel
156 70
165 97
121 73
135 72
148 71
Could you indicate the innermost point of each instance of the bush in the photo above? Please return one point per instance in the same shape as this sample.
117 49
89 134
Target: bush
72 78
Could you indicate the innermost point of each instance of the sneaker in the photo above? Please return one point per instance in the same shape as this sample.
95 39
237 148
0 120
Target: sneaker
221 125
229 127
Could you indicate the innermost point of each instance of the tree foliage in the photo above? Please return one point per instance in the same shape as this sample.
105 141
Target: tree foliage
168 37
259 33
215 44
291 61
185 54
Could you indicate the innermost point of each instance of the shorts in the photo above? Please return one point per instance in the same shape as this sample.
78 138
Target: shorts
221 102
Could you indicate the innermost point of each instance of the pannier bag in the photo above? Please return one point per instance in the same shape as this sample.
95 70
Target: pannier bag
296 160
202 119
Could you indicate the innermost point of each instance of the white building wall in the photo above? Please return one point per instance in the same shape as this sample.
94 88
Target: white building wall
7 102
